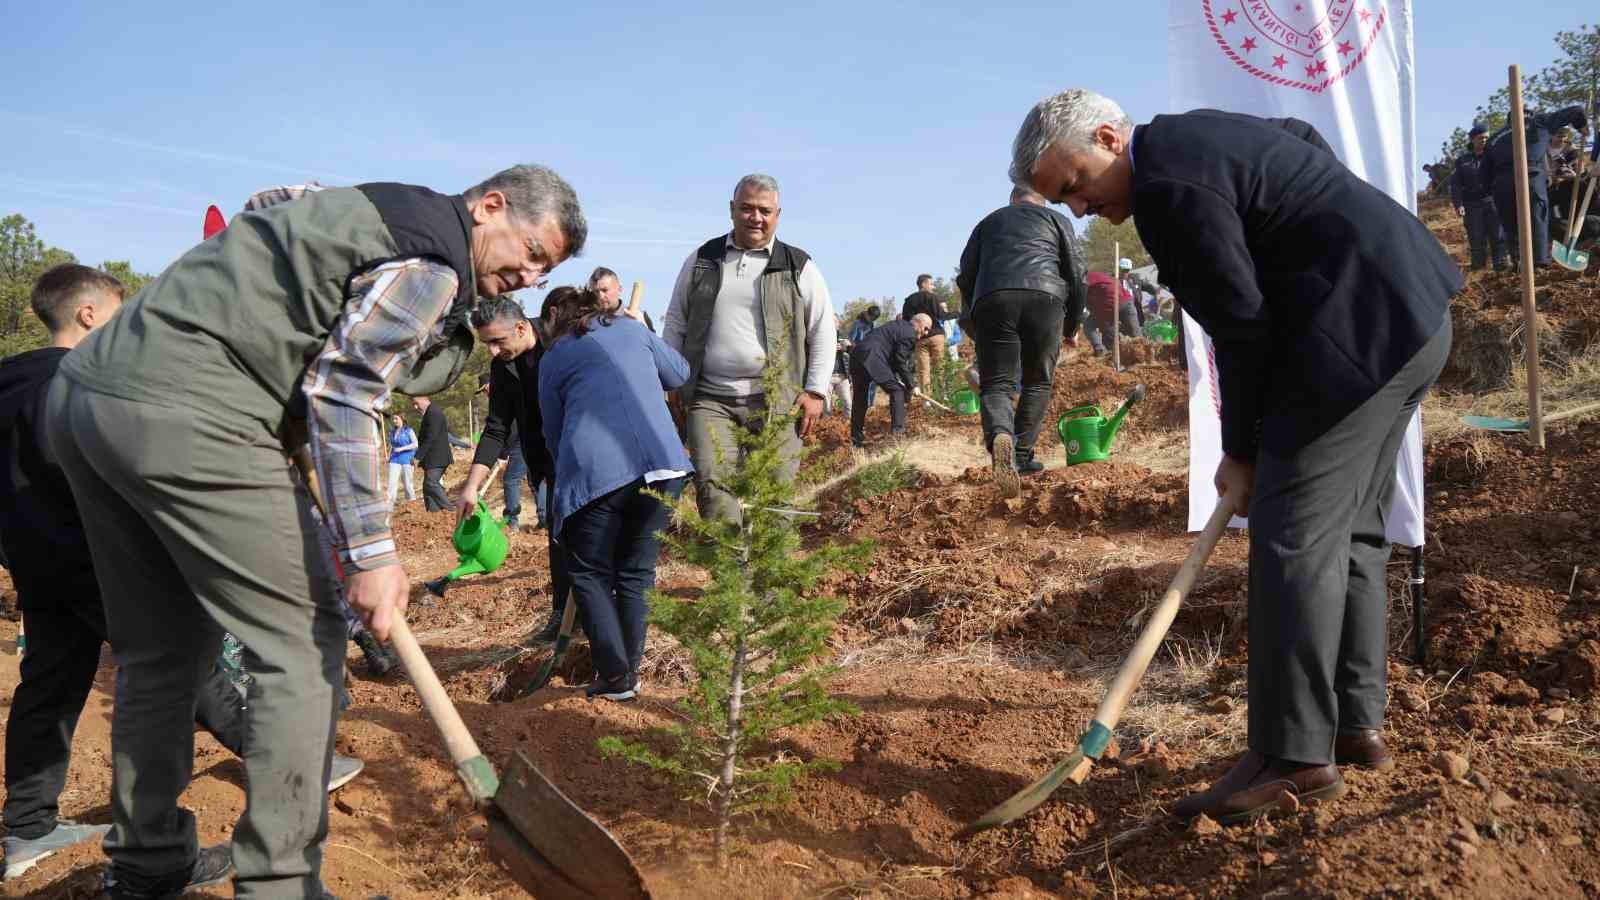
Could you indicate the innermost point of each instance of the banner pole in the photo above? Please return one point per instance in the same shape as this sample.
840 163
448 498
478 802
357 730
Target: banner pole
1418 584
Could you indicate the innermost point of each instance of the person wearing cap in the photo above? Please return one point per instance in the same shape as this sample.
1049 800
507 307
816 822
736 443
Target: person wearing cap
1540 127
1474 202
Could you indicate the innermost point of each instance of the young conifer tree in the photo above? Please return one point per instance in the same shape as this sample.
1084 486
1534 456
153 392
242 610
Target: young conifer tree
756 635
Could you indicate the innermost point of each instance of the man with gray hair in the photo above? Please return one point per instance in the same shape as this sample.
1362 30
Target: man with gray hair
742 300
1324 349
285 332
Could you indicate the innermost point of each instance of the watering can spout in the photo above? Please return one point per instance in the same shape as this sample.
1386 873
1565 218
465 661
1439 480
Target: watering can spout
469 567
1109 430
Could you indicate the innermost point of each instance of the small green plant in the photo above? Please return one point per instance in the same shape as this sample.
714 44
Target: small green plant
884 476
945 377
755 636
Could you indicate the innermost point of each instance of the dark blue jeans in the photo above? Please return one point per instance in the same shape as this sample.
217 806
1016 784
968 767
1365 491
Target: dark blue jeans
611 548
1505 203
516 471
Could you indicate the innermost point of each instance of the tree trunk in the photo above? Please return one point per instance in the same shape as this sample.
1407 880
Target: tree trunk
730 753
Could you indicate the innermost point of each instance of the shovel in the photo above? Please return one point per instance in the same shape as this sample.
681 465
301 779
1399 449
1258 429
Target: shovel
550 847
1567 255
1075 766
1520 426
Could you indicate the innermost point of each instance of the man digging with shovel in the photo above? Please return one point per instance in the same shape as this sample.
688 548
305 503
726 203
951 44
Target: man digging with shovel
172 423
1325 346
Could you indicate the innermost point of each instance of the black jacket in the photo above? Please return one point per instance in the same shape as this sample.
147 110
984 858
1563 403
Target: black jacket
885 355
514 412
1470 183
924 302
43 537
1540 127
1024 247
1316 286
433 442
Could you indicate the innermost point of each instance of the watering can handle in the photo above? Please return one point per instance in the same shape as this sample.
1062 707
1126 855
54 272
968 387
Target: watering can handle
1082 409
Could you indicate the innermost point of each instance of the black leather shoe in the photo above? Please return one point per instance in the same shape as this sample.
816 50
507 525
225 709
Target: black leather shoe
1364 748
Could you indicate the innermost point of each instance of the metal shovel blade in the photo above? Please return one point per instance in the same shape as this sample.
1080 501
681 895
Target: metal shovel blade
1570 258
1024 801
565 839
1493 423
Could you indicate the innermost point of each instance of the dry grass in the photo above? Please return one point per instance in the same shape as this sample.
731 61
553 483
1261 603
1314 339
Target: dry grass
1573 381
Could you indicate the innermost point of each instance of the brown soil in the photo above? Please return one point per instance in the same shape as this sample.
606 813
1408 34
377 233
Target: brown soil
971 646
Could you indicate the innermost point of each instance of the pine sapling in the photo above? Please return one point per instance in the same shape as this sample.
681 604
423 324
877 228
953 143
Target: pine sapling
756 635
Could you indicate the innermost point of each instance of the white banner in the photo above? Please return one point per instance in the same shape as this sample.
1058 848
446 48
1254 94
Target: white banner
1346 67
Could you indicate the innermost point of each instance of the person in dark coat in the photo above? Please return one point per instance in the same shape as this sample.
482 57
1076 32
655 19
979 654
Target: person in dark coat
883 358
518 344
1473 200
865 321
1023 269
926 303
1324 350
1540 127
433 453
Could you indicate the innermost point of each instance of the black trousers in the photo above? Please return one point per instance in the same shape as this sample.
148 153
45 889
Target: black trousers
1484 232
1505 203
1018 337
560 576
612 548
1318 592
434 497
863 376
64 639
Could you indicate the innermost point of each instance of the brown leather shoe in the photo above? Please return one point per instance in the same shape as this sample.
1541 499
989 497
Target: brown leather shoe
1364 748
1252 787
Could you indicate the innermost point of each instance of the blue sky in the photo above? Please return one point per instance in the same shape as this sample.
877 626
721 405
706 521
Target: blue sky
888 124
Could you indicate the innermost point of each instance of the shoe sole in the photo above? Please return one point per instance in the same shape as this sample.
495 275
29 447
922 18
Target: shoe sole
1331 792
18 869
335 783
1382 765
1005 467
617 697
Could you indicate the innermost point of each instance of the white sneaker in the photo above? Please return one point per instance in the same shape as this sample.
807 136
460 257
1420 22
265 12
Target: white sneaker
22 854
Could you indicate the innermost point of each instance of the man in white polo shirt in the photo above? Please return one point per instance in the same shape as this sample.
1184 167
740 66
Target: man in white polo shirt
740 299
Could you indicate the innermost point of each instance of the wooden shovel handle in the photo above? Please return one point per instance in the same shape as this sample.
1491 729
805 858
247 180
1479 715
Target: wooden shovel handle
443 712
636 296
1155 630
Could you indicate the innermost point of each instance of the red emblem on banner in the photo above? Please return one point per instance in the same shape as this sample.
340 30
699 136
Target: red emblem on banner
1306 44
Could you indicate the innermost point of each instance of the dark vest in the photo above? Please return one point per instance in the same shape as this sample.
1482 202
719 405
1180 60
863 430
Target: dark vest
782 310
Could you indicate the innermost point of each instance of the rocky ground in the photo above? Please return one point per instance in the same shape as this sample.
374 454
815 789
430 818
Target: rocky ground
976 647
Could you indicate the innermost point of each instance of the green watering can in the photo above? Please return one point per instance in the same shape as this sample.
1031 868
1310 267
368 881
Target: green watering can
480 545
1087 434
965 402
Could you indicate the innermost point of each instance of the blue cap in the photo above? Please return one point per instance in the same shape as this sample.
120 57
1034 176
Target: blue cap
1478 128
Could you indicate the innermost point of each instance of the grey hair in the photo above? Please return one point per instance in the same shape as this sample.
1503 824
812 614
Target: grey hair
757 180
924 318
498 309
535 193
1068 118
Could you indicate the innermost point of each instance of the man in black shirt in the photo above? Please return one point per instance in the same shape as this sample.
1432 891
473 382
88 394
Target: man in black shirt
433 453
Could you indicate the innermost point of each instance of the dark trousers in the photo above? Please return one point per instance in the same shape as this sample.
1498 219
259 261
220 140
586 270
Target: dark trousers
516 473
611 549
1484 232
1018 337
1505 203
560 570
863 376
1318 592
434 497
64 639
